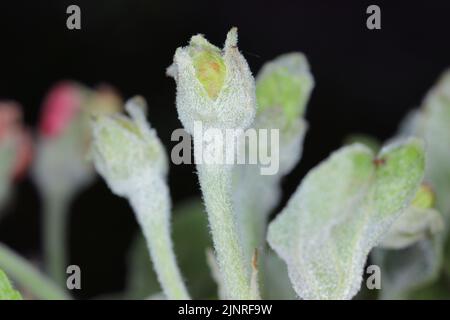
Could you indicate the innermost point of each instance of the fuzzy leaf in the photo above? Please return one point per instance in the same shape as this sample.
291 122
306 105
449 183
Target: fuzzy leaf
414 225
285 82
419 221
339 213
424 259
280 108
436 133
364 139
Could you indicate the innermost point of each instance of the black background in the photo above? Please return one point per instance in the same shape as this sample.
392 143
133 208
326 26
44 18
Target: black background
365 82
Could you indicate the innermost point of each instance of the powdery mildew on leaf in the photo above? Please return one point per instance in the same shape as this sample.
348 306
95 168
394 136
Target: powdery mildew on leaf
338 214
283 88
415 266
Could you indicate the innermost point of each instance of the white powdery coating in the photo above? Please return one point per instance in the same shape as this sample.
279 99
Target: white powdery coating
235 105
337 215
436 133
140 157
132 160
419 264
297 65
414 224
233 108
294 62
256 195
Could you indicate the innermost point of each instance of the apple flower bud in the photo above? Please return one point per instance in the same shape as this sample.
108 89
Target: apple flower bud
214 86
126 150
13 133
60 107
62 165
130 157
15 146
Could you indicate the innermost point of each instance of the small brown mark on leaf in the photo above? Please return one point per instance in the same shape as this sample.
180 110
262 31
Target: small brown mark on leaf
255 259
379 162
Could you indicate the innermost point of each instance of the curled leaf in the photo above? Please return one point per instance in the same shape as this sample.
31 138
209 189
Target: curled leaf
339 213
419 221
410 269
286 83
280 108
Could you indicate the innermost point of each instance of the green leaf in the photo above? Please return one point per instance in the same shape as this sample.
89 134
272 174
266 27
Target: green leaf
191 240
419 221
281 107
424 259
286 83
408 269
339 213
276 280
7 291
364 139
436 133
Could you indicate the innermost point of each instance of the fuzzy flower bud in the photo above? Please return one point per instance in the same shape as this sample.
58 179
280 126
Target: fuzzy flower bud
61 165
213 86
126 150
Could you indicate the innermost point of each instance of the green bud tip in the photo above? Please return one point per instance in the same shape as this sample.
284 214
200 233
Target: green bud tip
425 197
209 65
127 145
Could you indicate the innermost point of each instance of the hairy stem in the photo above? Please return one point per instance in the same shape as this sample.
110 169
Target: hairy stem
153 213
28 277
215 182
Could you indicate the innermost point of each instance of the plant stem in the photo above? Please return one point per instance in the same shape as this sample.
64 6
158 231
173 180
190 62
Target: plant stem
153 213
54 235
255 197
28 276
215 182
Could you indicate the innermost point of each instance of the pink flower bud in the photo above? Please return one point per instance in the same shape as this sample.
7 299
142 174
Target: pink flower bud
11 129
60 106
